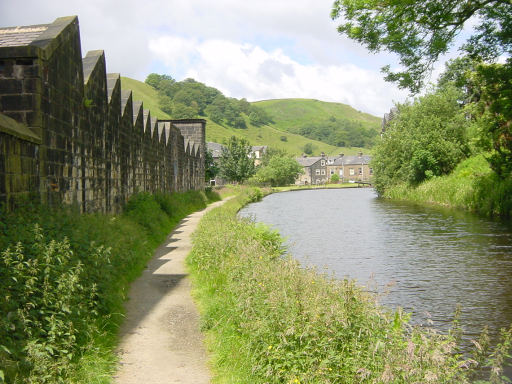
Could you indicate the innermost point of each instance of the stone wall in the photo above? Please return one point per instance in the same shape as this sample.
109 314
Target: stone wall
70 133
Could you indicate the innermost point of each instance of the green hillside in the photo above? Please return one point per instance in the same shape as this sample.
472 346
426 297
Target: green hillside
289 113
274 135
143 92
334 123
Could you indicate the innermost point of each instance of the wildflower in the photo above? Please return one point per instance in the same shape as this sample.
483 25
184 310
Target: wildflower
269 347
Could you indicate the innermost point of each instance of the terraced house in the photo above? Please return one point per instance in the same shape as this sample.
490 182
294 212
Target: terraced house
320 169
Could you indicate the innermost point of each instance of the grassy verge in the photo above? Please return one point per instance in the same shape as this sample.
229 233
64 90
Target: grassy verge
307 187
471 186
267 320
63 280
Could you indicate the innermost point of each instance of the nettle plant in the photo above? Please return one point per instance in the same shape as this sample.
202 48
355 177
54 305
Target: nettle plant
50 305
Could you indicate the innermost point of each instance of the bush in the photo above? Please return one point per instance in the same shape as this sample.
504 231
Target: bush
278 172
426 138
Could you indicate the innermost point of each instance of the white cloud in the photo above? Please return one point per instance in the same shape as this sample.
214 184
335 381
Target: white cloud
246 70
258 50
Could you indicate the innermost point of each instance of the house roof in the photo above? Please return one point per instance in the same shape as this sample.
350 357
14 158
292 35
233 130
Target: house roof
215 149
308 161
352 160
262 148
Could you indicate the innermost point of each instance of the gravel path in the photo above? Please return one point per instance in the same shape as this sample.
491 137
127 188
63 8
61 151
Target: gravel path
160 338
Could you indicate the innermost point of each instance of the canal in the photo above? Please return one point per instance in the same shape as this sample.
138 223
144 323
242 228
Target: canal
426 260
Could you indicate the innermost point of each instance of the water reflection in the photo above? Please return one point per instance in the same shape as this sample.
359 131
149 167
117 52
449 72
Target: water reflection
433 258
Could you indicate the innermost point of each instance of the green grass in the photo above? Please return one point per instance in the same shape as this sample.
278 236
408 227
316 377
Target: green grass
63 281
471 186
307 187
264 135
268 320
288 113
143 92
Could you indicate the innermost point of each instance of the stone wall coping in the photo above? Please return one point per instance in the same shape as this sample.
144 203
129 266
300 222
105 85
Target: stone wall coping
90 62
21 131
185 121
43 45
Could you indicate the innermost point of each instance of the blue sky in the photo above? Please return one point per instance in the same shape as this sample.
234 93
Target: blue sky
258 50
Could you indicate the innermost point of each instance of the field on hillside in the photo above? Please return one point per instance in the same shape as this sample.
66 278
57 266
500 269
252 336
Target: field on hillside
263 135
289 113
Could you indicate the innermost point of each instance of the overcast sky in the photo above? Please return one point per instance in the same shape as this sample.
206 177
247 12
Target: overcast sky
259 50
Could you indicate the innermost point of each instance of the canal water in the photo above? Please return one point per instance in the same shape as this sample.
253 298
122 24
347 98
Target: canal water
426 260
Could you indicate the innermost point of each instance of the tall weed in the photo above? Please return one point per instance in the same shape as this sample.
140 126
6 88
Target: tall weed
472 186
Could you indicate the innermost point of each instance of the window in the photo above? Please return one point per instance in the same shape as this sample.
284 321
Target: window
317 171
351 171
371 171
332 172
323 171
341 172
360 171
322 163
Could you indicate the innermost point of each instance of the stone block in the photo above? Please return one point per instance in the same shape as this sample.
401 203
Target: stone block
17 102
10 86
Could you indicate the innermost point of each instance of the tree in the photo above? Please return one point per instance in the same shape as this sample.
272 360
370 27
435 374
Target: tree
426 138
335 179
280 170
258 116
235 163
494 115
308 148
155 80
419 31
182 111
210 167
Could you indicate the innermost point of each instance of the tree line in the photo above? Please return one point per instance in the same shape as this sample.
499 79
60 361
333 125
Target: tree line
190 99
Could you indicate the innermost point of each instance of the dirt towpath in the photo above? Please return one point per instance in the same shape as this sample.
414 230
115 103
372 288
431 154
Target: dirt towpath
160 338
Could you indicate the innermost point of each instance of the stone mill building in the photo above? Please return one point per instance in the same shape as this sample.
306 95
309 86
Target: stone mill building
70 132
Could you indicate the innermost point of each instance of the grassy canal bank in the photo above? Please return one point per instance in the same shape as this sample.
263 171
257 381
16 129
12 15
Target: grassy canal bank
267 320
472 186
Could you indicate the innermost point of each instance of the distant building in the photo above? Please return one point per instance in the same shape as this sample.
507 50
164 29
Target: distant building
258 151
216 150
351 168
320 169
315 170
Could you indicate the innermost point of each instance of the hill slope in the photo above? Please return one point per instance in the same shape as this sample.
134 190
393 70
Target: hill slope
334 123
274 135
287 113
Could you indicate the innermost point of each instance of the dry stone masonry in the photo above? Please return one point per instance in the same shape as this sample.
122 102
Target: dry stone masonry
70 133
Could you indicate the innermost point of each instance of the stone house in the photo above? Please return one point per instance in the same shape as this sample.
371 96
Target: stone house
258 151
350 168
319 169
216 150
315 170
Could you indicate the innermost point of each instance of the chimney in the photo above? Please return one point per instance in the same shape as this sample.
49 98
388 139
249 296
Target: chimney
322 154
360 154
342 154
